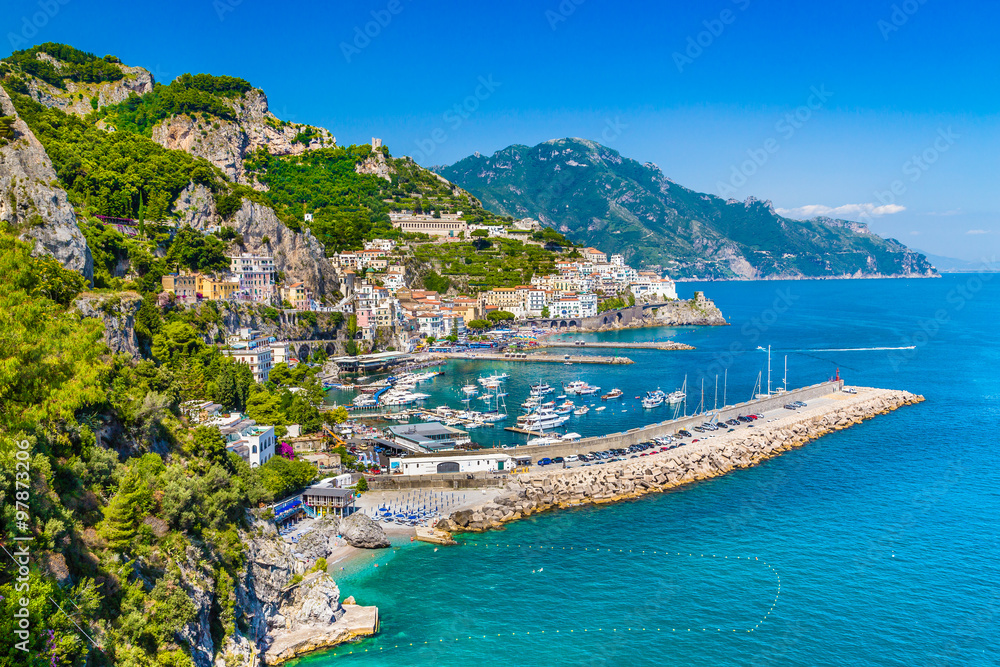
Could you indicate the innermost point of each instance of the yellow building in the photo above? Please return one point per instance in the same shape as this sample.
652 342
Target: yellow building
216 290
183 285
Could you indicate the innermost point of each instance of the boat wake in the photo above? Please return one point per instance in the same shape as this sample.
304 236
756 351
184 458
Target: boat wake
862 349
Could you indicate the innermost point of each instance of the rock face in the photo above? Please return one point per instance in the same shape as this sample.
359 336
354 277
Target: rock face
118 313
375 165
280 619
227 143
76 99
662 471
321 540
29 200
299 255
361 531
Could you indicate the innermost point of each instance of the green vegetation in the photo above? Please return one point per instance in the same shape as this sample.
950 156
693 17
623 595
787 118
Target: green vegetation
506 264
6 129
142 517
616 302
362 485
77 65
500 316
195 95
114 173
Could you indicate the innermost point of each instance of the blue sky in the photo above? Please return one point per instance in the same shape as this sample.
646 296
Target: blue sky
883 111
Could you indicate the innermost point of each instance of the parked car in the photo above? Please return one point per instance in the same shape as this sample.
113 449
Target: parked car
684 433
544 462
789 406
558 459
572 458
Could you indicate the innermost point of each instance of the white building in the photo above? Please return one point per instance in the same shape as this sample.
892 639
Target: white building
256 275
251 441
260 360
465 463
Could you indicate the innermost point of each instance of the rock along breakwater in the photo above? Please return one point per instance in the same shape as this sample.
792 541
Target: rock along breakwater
633 478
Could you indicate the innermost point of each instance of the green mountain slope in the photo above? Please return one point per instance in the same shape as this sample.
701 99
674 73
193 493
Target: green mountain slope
595 196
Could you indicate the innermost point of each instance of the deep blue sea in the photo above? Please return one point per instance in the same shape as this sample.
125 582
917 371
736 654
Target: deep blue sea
884 537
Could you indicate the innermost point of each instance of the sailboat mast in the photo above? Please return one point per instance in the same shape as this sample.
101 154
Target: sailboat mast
716 392
685 390
725 386
768 370
786 372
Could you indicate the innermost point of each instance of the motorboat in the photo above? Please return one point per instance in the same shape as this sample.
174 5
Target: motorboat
470 389
540 389
614 393
676 397
541 420
582 410
652 400
600 408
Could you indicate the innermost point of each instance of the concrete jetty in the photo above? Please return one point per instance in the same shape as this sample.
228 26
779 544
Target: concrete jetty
713 455
646 345
538 357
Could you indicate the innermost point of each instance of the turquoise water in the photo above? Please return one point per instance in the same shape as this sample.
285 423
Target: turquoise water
884 536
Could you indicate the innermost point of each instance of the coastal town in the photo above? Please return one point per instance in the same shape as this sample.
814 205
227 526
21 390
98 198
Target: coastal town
384 305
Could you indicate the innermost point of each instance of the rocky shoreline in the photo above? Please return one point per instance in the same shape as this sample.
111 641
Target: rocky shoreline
634 478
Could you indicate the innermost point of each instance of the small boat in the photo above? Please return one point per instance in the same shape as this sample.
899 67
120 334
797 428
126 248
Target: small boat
582 410
600 408
564 396
614 393
470 389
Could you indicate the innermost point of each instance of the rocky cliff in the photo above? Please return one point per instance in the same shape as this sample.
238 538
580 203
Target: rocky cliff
31 200
118 314
83 98
298 255
226 143
275 617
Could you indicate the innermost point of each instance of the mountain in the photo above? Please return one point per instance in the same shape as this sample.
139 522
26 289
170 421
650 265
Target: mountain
595 196
953 265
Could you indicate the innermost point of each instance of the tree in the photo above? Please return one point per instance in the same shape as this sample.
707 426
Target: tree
362 485
126 509
545 311
479 325
500 316
479 233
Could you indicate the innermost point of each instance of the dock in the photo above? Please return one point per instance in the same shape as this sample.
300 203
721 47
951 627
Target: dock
540 358
648 345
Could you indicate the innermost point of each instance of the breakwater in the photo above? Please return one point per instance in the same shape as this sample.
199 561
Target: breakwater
634 478
541 357
643 345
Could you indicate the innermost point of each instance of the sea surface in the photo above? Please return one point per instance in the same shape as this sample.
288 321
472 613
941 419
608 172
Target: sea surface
877 545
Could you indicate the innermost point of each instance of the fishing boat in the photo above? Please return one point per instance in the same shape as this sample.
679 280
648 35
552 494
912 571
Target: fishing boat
614 393
676 397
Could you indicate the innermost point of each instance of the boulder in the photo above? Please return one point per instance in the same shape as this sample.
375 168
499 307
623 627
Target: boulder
361 531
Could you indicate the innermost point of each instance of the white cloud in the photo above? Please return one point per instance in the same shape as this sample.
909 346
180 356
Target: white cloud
847 210
978 231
